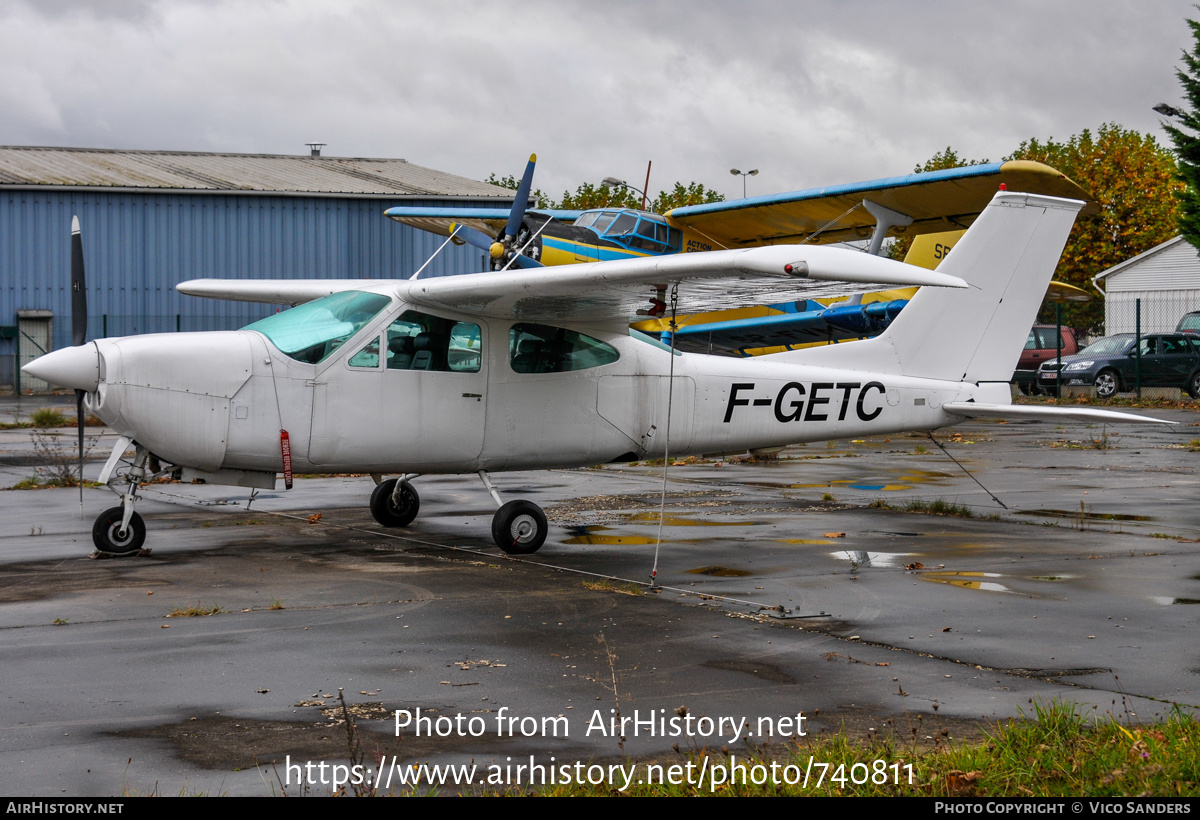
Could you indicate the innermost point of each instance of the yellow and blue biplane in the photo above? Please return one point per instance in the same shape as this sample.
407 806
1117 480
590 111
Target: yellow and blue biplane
934 206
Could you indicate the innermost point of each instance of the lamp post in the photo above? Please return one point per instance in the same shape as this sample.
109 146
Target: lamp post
743 175
613 182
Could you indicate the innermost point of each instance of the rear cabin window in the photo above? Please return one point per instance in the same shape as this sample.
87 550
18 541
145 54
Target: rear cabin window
545 349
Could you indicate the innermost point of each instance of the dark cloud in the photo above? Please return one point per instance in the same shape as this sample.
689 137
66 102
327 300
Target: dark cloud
811 93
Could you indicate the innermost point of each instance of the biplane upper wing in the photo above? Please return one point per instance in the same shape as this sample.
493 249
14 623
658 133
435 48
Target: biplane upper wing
936 201
488 220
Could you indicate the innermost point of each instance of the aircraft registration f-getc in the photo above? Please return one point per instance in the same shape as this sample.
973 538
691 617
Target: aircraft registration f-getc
537 368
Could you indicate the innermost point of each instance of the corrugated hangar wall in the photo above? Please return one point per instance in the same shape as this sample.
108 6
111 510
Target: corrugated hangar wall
137 247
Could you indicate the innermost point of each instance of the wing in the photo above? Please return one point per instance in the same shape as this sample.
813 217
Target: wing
488 220
271 291
612 292
936 201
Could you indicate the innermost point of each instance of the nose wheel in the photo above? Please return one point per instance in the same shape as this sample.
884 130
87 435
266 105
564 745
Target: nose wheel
395 503
111 537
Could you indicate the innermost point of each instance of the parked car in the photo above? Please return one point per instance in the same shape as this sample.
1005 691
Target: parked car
1039 347
1190 323
1167 360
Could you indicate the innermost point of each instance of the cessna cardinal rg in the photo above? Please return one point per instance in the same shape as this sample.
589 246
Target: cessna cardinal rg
534 369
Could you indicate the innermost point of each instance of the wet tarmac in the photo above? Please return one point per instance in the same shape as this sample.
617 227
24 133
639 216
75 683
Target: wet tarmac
1084 586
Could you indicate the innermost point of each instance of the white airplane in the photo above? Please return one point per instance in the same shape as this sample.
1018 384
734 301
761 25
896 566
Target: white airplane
538 368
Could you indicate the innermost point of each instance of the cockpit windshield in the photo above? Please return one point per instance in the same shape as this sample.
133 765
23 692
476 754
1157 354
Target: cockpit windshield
636 230
312 331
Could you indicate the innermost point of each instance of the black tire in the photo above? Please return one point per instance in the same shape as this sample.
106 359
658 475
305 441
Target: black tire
1027 388
519 527
107 537
395 512
1108 383
1193 386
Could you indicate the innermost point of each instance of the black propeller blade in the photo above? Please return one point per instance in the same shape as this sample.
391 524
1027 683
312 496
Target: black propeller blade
505 250
79 317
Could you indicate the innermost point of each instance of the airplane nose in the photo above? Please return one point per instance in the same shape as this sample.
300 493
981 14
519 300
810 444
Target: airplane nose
74 367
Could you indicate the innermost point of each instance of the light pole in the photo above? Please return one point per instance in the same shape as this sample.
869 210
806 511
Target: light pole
613 182
743 175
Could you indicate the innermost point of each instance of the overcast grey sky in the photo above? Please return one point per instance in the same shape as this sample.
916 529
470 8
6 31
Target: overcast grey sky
811 93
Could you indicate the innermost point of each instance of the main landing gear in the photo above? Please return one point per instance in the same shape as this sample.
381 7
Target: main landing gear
518 528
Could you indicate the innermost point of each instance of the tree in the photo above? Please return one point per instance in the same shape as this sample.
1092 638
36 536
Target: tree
946 158
1187 142
588 196
1136 183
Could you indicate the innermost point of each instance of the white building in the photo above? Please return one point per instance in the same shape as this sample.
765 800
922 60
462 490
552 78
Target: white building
1167 280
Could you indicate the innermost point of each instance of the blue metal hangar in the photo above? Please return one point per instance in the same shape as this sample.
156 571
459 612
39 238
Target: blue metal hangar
152 219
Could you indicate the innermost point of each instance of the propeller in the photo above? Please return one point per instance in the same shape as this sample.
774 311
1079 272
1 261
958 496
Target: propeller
505 249
79 317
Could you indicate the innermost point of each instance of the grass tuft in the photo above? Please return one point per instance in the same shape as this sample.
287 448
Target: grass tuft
197 611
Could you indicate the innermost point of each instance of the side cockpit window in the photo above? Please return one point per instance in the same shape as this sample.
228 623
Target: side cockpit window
544 349
418 341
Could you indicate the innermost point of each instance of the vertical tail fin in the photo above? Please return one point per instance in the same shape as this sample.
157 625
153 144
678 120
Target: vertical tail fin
976 335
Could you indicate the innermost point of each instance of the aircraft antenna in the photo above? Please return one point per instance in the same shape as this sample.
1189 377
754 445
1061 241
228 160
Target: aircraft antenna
965 470
662 504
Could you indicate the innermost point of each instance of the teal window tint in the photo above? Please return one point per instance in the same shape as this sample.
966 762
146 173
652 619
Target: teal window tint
419 341
544 349
368 356
312 331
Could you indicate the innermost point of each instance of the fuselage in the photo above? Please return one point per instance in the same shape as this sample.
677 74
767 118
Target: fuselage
411 390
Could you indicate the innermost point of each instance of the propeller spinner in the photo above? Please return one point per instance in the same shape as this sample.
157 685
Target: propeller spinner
505 249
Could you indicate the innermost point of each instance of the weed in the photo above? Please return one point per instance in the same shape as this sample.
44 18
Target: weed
60 621
59 465
920 450
939 507
1193 445
194 611
276 604
880 504
827 497
46 418
610 585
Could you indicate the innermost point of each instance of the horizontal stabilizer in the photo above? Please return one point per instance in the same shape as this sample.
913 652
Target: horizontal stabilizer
972 410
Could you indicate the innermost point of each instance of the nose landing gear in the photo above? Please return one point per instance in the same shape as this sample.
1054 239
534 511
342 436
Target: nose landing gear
120 530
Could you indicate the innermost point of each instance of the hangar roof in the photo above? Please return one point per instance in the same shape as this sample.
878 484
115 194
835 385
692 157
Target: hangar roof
190 171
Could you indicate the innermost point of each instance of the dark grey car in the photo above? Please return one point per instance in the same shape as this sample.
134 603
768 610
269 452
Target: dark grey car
1111 364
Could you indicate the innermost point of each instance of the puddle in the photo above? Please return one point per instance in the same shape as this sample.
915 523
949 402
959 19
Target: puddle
676 521
878 560
967 580
980 580
721 572
1087 516
602 535
850 484
1164 601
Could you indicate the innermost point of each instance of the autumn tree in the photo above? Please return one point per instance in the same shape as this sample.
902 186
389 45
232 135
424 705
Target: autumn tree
1187 141
1134 180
